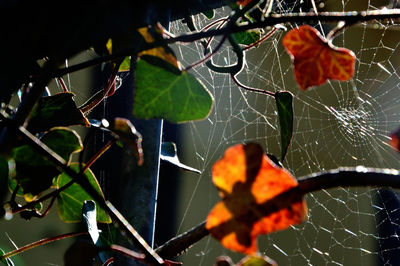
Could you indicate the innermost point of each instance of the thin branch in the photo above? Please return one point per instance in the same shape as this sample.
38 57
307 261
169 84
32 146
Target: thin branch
265 37
127 252
40 243
102 94
274 19
98 154
342 177
180 243
349 17
242 86
119 220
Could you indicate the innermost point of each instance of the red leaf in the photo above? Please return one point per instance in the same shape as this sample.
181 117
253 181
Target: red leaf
246 178
316 59
395 140
243 2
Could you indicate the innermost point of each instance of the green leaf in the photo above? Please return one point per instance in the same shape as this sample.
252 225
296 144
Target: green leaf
169 154
54 111
70 200
33 172
247 37
63 141
7 261
125 65
208 13
160 93
257 260
284 104
12 184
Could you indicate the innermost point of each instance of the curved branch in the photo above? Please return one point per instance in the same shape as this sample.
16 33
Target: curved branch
350 17
342 177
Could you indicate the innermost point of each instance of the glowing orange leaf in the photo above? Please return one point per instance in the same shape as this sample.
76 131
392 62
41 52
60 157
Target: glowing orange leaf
316 59
395 139
246 178
243 2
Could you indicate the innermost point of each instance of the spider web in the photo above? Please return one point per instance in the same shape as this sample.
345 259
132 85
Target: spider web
337 124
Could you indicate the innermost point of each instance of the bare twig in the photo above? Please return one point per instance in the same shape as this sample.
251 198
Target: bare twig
40 243
349 17
61 165
342 177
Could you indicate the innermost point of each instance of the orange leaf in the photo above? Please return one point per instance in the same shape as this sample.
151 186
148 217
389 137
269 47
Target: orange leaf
247 178
395 140
316 59
243 2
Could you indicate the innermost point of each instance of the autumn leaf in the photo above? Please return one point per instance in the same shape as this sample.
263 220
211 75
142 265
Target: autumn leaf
165 53
316 59
246 178
395 140
243 2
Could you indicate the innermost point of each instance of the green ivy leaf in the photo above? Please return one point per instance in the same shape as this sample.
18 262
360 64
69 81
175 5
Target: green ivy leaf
247 37
125 65
284 104
160 93
12 184
70 200
7 261
33 172
54 111
63 141
169 154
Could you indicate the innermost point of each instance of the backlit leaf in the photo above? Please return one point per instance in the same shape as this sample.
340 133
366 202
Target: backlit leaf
125 65
160 93
246 179
395 139
257 260
70 200
243 2
33 172
162 52
316 59
169 154
284 104
54 111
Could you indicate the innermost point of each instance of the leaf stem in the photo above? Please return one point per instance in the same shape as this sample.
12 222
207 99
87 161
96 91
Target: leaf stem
98 154
40 243
341 177
100 95
127 252
240 85
265 37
